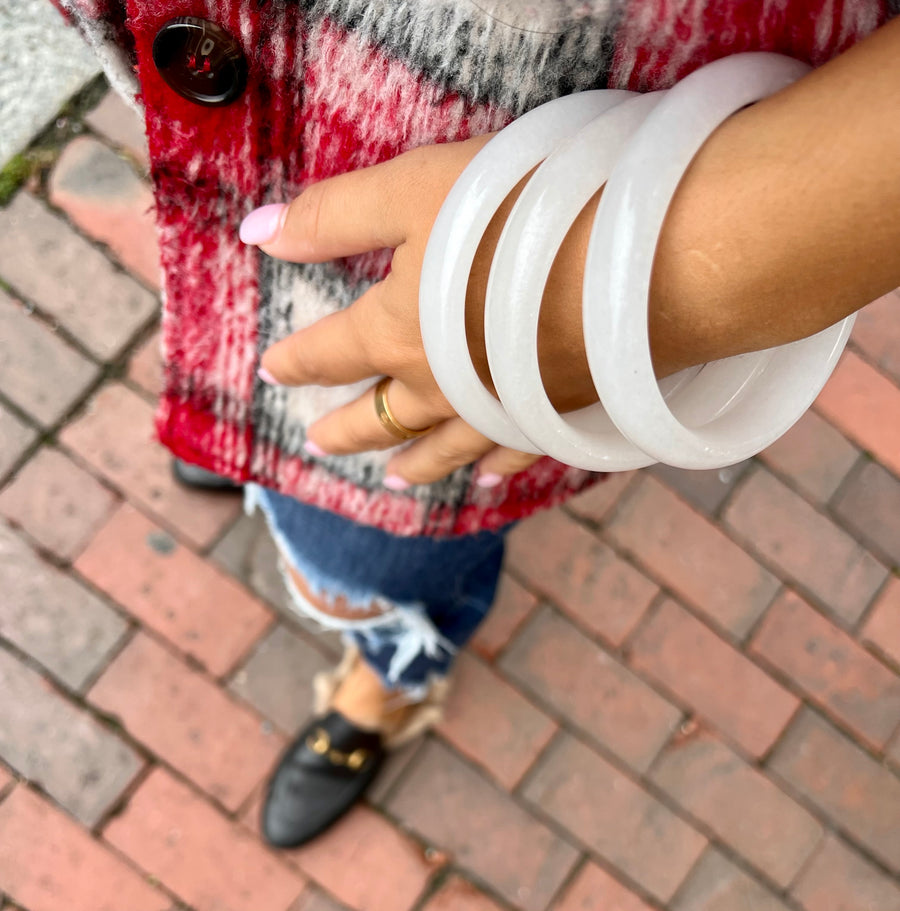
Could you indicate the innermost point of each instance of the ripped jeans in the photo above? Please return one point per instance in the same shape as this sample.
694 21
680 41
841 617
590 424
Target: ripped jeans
431 593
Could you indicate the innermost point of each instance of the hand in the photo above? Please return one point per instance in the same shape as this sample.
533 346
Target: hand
727 278
394 205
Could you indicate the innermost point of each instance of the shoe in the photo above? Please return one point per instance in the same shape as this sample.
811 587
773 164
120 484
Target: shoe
429 710
200 479
323 773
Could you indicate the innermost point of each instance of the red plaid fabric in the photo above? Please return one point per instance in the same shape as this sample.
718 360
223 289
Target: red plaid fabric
336 85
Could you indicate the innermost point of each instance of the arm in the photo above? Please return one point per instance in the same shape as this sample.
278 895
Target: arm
787 220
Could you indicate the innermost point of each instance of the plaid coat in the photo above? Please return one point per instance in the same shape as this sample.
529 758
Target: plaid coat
335 85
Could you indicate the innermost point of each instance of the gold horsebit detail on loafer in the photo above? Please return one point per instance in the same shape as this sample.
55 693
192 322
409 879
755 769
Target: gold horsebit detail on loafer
320 743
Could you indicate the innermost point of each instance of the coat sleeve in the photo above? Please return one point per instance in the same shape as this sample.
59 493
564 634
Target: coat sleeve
103 25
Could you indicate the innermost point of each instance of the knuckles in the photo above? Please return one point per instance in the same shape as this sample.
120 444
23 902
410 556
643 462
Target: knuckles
305 210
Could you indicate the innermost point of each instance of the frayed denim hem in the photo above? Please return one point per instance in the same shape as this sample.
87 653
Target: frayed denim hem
403 627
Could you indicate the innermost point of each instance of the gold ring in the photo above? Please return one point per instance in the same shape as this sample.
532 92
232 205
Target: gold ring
388 421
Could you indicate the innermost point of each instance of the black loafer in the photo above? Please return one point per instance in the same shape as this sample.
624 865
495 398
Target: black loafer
323 773
200 479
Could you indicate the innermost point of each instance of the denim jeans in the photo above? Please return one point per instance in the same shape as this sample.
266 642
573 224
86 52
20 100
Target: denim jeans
433 591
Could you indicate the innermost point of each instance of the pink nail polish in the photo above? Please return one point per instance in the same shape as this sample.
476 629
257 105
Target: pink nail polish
490 479
267 377
395 482
314 449
262 224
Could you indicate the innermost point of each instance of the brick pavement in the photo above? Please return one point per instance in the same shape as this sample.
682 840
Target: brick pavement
688 697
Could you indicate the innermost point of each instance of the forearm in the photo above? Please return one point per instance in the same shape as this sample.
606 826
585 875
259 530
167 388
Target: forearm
786 221
789 217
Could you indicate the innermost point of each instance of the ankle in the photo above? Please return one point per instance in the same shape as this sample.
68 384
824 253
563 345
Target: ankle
364 701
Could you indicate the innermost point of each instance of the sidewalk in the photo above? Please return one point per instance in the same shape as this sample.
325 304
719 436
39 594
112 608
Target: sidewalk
687 698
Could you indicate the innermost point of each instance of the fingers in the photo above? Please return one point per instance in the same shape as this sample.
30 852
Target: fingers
501 463
369 209
336 350
357 428
352 213
452 445
449 446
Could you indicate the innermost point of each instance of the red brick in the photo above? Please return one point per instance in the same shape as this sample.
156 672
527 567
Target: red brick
49 863
185 719
146 368
600 591
170 589
869 507
59 504
247 552
615 817
366 863
877 333
893 753
52 618
838 879
6 778
277 680
863 404
122 126
15 438
813 455
830 668
846 784
492 723
103 196
596 503
591 689
488 833
458 895
396 765
81 765
713 678
512 607
595 890
314 899
739 804
209 862
882 629
76 285
39 372
805 546
716 884
693 557
705 490
115 437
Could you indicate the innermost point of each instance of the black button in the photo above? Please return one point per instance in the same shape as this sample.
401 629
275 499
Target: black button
200 61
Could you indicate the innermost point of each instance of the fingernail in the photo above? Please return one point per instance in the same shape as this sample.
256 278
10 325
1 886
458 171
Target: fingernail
267 377
314 449
490 479
395 482
262 224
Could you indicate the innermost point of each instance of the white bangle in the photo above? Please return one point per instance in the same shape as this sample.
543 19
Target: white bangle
531 238
705 417
464 217
737 406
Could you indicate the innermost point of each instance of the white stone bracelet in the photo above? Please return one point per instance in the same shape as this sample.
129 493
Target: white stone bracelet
531 238
705 417
735 407
468 209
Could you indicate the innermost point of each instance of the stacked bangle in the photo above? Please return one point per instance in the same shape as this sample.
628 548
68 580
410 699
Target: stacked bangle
639 147
467 211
